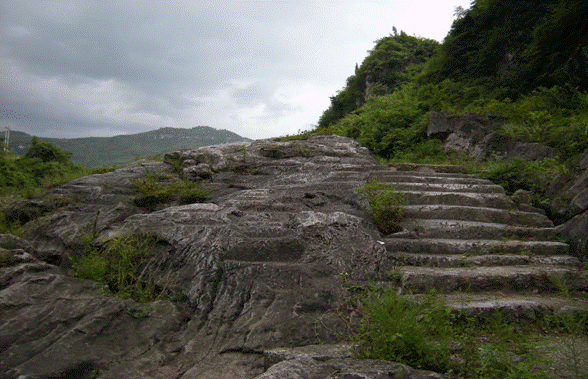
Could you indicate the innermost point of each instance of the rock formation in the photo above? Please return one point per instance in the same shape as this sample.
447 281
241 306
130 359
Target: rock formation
260 265
478 136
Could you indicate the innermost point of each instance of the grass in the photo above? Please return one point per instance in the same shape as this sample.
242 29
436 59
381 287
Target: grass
425 334
385 205
123 266
6 258
154 190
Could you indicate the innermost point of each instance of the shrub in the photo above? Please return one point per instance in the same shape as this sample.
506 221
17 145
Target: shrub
426 334
153 191
122 265
396 329
385 205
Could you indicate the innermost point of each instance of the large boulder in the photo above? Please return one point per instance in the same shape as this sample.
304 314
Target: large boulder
575 232
478 136
333 361
258 266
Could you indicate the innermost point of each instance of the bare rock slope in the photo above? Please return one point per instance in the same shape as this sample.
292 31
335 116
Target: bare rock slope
259 265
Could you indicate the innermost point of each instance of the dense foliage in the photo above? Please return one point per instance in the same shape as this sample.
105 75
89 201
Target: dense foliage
526 62
43 166
522 44
389 65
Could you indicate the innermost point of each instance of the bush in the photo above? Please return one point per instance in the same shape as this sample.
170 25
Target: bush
153 191
385 205
123 266
425 334
396 329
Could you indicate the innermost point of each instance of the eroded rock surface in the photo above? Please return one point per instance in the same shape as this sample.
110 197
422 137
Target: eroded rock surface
256 267
478 136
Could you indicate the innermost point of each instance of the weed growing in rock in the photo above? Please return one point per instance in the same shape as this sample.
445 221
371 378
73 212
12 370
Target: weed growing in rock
7 226
6 259
123 266
385 205
154 190
426 334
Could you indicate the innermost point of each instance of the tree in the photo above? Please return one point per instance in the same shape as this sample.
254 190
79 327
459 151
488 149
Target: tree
46 152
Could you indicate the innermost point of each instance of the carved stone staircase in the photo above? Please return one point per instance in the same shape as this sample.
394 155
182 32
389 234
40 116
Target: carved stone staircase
465 239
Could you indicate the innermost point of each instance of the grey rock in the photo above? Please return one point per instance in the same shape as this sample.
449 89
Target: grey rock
259 266
10 242
496 145
197 172
54 325
478 135
570 196
333 361
576 232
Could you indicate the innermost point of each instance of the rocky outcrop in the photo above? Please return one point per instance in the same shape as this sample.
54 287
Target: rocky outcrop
332 361
260 265
478 136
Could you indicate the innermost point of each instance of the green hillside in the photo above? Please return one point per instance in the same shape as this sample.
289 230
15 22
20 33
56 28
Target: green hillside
526 62
119 150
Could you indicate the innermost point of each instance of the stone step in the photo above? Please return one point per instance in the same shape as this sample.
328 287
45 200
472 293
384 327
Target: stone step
470 199
474 246
447 187
406 177
460 229
519 307
524 306
463 260
425 167
432 178
473 279
459 212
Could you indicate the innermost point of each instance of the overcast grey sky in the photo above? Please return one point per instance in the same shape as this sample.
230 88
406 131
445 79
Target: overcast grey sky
260 68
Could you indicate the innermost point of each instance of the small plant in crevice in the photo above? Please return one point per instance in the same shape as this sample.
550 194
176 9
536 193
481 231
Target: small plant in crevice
154 190
385 205
6 259
123 266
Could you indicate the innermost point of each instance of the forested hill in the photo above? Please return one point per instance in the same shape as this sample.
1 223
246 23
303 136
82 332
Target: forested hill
520 44
525 61
120 150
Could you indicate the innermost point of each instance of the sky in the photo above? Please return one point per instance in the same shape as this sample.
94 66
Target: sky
259 68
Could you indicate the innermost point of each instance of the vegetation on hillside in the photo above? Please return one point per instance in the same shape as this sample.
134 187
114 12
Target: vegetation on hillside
43 166
520 44
391 63
120 150
424 333
511 63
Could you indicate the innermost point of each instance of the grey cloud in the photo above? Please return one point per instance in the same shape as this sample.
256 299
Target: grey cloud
73 61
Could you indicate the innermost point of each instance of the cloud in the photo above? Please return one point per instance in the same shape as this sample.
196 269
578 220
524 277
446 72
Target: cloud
258 68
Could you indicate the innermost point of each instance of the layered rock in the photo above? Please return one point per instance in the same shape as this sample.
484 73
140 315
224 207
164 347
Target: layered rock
479 137
259 265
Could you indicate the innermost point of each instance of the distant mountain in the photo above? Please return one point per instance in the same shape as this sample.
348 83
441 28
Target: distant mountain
120 150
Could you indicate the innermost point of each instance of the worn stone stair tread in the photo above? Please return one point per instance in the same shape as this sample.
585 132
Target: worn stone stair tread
515 306
423 177
483 214
425 167
478 246
511 278
472 199
440 228
464 260
403 177
448 187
